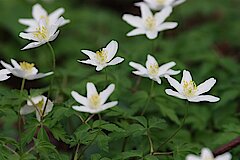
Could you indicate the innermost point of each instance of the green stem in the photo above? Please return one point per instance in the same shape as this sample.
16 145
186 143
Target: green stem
106 74
76 152
19 115
149 98
179 128
150 143
10 149
53 68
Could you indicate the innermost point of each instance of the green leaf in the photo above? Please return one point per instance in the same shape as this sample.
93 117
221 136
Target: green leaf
42 134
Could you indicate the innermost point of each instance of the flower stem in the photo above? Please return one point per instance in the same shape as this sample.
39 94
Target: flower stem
149 98
51 84
179 128
150 143
106 75
19 115
76 152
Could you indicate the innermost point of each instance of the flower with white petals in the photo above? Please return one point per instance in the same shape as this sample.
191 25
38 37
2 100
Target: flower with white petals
149 24
37 104
43 33
24 70
188 89
39 13
160 4
94 102
4 74
103 57
153 70
206 154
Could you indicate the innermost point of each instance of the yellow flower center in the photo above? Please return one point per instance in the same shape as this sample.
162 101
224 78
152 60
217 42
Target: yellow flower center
101 56
41 33
95 101
153 69
189 88
161 2
40 106
26 66
150 23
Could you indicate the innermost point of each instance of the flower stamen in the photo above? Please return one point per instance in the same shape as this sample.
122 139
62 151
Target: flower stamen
153 69
95 101
150 23
101 56
41 33
26 66
161 2
189 88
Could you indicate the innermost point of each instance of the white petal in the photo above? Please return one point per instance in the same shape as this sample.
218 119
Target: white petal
115 61
35 100
186 77
225 156
38 76
138 67
48 107
140 73
33 45
163 14
111 49
4 77
135 32
100 67
208 98
7 66
27 109
91 90
38 12
28 36
158 80
109 105
89 61
174 83
4 71
178 2
165 67
84 109
152 34
90 54
174 93
15 64
150 61
206 154
134 21
192 157
171 72
54 36
53 17
28 22
145 11
106 93
167 25
206 86
79 98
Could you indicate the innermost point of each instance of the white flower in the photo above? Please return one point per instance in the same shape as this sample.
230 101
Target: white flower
160 4
188 89
153 70
104 57
44 33
94 102
39 14
4 74
149 24
24 70
206 154
37 104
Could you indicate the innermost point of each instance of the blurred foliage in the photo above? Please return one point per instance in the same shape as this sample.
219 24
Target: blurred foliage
206 42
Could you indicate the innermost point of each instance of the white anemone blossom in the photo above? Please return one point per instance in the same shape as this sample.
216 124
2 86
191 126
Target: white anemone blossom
149 24
24 70
103 57
206 154
37 104
160 4
94 102
188 89
153 70
39 13
4 74
44 33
